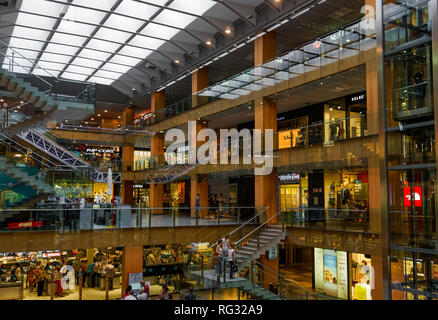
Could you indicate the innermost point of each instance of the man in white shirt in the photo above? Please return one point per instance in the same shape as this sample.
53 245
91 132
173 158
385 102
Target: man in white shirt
142 295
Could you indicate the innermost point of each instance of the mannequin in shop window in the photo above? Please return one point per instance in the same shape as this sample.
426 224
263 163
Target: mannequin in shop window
300 138
332 200
333 126
345 197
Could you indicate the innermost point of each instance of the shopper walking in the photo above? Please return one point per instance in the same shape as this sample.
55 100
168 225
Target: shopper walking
190 295
109 270
165 294
91 274
197 207
146 289
232 261
40 280
58 277
217 258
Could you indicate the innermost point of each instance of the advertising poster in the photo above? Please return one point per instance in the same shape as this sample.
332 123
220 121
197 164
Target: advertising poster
342 275
330 273
319 270
284 139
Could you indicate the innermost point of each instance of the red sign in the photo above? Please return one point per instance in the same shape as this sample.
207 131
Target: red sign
25 224
52 254
417 196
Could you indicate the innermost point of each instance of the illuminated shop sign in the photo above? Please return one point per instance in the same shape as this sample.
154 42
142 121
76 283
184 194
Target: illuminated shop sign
358 98
91 150
289 177
138 186
25 224
407 196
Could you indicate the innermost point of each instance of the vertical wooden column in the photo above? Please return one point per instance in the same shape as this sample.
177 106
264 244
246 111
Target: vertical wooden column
128 157
265 117
199 183
157 151
127 165
199 82
132 262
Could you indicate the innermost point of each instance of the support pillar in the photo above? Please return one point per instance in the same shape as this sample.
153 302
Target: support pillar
265 117
127 165
132 262
128 158
199 182
199 82
157 153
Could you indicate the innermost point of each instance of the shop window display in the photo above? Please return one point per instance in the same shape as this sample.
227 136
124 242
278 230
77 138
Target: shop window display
142 160
293 196
346 195
292 133
362 277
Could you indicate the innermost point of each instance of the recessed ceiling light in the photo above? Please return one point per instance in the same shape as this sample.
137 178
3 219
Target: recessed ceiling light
208 43
92 119
98 115
177 61
228 30
119 117
106 110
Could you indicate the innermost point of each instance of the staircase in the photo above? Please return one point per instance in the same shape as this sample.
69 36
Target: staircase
258 244
54 109
27 175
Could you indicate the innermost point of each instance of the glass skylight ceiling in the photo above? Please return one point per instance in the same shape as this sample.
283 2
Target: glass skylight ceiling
97 41
333 48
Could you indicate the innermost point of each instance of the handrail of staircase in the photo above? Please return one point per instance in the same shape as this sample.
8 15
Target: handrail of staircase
263 210
258 228
217 230
19 144
32 62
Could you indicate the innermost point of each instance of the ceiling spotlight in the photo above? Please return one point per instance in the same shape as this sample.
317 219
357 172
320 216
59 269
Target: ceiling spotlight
177 61
119 117
228 30
98 115
133 89
106 110
92 119
22 102
208 43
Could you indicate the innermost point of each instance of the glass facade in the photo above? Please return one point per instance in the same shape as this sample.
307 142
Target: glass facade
411 155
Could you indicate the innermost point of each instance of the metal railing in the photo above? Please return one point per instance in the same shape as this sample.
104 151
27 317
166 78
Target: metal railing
52 216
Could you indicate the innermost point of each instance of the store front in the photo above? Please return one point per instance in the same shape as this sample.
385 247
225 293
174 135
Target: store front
142 160
100 156
343 275
293 196
345 118
18 275
346 194
141 195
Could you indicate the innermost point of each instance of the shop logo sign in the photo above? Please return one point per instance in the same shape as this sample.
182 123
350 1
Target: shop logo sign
229 142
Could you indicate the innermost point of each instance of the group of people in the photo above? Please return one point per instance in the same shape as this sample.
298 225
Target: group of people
225 252
144 293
